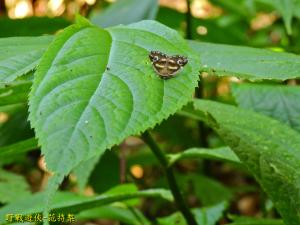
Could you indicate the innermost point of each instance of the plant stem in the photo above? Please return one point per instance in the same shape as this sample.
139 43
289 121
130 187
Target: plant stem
122 163
188 18
199 89
181 205
201 126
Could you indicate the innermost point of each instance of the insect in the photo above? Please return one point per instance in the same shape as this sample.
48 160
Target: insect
166 66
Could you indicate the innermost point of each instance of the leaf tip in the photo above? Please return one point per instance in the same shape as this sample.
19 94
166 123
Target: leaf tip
82 20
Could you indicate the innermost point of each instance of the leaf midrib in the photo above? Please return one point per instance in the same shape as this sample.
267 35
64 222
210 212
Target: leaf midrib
88 103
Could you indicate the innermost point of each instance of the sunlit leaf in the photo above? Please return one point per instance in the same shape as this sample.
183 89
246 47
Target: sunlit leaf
245 62
95 87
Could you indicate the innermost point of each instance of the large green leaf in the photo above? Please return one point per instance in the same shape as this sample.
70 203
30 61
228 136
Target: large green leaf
126 12
245 62
20 55
94 87
281 102
270 150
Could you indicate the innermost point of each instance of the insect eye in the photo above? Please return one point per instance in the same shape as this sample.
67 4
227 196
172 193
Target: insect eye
155 58
179 61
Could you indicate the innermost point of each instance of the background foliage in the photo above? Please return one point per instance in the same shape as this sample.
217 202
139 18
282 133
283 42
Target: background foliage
78 97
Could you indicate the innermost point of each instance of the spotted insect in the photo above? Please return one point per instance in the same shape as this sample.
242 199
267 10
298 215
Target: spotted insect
167 66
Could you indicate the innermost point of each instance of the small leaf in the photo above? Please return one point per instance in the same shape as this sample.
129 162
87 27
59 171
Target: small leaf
286 9
281 102
222 154
235 7
83 172
15 127
208 190
120 213
17 148
270 150
210 215
204 216
14 93
125 189
126 12
10 184
19 55
16 153
245 62
109 161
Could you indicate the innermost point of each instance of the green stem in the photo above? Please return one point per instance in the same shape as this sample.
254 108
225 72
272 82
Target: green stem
199 89
181 205
188 14
201 126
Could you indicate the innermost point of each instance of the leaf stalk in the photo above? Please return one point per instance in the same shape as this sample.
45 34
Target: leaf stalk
181 205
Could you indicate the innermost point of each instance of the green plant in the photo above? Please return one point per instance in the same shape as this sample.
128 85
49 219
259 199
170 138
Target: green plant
91 87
